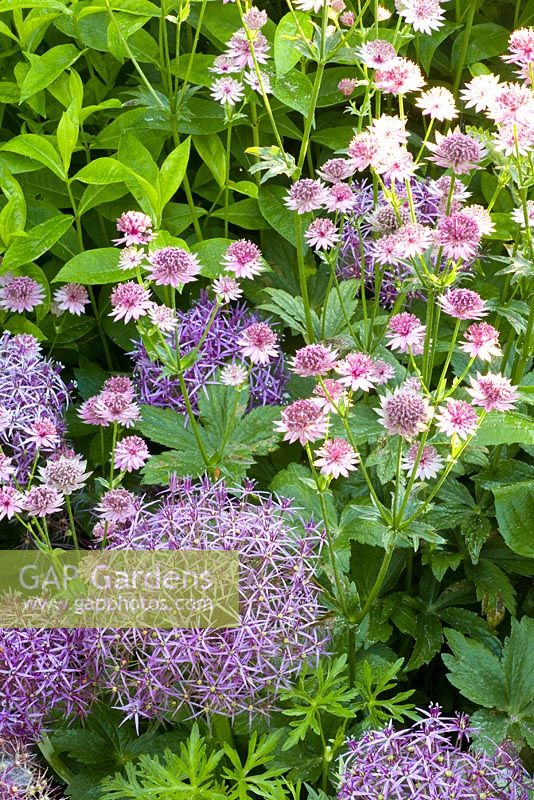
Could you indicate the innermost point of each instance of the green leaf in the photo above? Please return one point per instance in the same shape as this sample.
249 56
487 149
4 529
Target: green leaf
172 172
49 5
46 68
26 248
159 468
428 639
165 426
67 134
271 200
517 661
245 214
475 671
38 148
19 324
485 41
294 89
213 154
103 171
286 55
514 509
340 307
210 253
94 267
505 428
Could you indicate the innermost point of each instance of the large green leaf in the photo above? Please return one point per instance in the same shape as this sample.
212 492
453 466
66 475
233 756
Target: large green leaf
172 172
26 248
514 508
212 152
94 267
46 68
38 148
286 55
475 671
505 428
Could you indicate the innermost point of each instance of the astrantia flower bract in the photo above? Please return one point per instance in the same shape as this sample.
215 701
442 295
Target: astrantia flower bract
230 669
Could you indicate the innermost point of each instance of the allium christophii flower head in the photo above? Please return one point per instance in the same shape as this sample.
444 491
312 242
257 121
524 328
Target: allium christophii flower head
493 392
173 266
303 421
404 413
41 671
313 360
306 195
463 304
456 151
136 227
20 776
225 670
31 392
429 761
216 349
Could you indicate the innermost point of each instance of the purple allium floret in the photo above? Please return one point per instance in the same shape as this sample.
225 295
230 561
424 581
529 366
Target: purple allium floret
429 761
31 388
40 671
227 670
219 348
20 776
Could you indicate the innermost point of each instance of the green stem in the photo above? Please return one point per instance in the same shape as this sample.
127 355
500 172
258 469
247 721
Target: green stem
71 521
377 586
472 7
192 54
303 282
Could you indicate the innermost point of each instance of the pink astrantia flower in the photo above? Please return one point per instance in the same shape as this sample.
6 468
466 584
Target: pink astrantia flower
223 65
463 304
259 343
322 234
493 392
227 91
233 375
20 294
306 195
382 372
413 239
65 472
399 76
456 151
480 91
163 317
457 418
346 86
255 19
404 412
340 197
423 15
396 165
437 103
111 407
129 301
10 502
253 79
243 258
136 227
71 297
336 457
518 215
131 453
313 360
303 421
482 217
91 413
335 170
173 266
430 462
41 501
511 103
357 371
43 434
389 130
131 257
363 150
6 467
309 5
331 394
481 341
386 250
458 235
117 505
227 289
377 53
521 47
405 333
240 50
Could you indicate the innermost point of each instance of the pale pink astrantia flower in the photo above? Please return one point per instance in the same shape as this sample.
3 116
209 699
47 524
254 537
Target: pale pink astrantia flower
223 65
131 257
335 170
480 91
413 239
162 317
260 83
303 421
518 215
404 413
43 434
457 418
117 505
493 392
66 472
322 234
129 301
463 304
456 151
458 235
423 15
340 197
346 86
255 19
348 18
20 294
227 289
377 53
482 217
430 462
259 343
511 103
72 297
239 48
173 266
382 372
10 502
41 501
6 467
437 103
313 360
131 453
405 333
357 372
399 76
481 341
520 47
227 91
389 130
136 227
336 457
332 395
243 258
306 195
397 165
309 5
363 150
233 375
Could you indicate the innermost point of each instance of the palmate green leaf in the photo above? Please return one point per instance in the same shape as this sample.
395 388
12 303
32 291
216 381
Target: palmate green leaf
27 247
475 671
46 68
505 428
514 508
94 267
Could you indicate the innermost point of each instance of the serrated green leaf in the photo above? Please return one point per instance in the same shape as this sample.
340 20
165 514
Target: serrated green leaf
514 508
475 671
